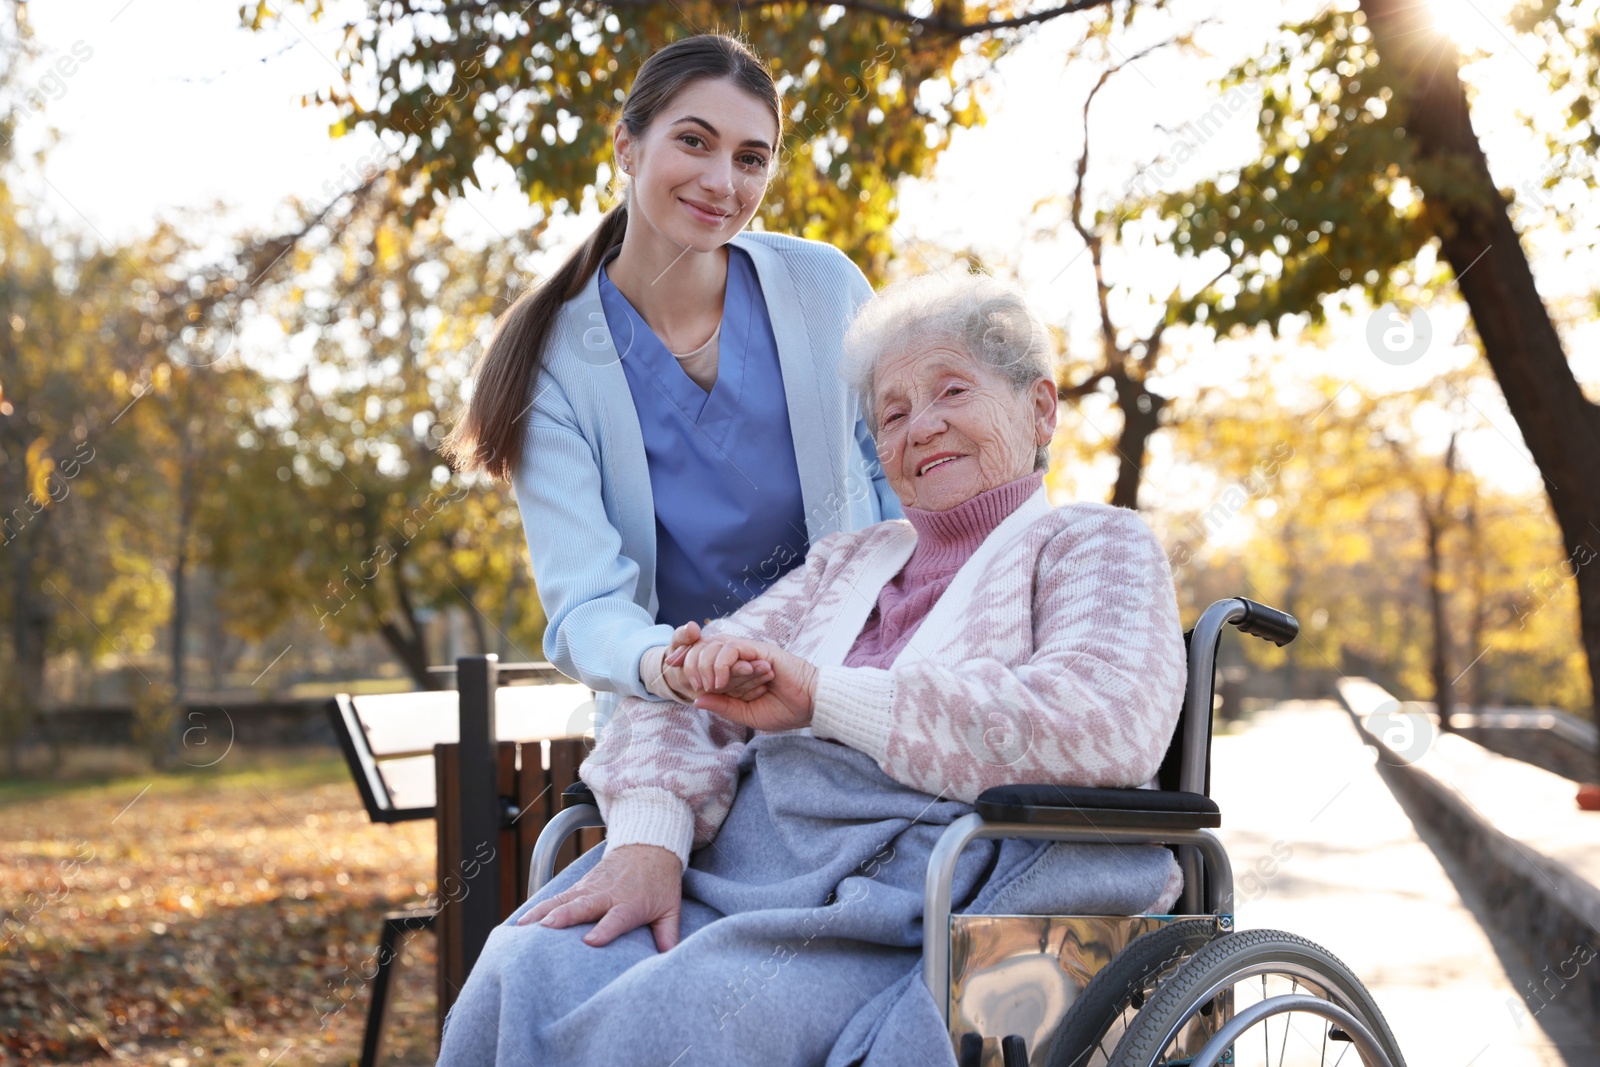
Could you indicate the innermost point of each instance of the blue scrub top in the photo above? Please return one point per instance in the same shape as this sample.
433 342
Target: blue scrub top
730 519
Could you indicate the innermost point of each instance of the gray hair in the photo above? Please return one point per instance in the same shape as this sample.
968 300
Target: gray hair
973 313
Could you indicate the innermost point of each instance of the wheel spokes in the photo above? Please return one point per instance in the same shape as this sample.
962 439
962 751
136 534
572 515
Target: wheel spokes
1294 987
1310 1046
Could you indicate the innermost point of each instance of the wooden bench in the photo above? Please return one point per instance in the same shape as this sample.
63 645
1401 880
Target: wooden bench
429 754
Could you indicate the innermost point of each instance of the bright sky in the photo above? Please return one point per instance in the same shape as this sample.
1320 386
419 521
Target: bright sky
172 106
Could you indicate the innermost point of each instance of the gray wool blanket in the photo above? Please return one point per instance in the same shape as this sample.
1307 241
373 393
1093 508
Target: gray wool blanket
801 932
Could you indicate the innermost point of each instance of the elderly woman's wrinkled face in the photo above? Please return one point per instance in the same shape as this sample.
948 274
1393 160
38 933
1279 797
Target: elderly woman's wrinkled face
951 427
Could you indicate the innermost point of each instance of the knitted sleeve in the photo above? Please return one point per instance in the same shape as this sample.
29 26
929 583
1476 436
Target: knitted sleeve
664 773
1095 703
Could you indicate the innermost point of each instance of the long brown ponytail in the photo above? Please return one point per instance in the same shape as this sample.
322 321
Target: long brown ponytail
491 434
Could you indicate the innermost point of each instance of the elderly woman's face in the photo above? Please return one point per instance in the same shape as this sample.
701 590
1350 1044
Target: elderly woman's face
951 427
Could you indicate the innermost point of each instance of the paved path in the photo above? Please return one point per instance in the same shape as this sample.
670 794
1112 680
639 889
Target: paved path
1321 848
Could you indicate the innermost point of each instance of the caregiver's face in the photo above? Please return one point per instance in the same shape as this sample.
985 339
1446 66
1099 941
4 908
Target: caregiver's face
700 169
950 427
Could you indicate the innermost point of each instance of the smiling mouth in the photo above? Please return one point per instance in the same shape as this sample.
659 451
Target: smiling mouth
714 213
925 468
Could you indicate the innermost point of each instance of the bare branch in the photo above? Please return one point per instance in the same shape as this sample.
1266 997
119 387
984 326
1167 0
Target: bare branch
1093 239
1089 385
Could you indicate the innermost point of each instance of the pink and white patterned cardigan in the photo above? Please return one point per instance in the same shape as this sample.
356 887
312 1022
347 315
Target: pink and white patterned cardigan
1055 656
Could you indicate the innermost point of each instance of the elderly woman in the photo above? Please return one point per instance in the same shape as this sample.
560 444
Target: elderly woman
775 846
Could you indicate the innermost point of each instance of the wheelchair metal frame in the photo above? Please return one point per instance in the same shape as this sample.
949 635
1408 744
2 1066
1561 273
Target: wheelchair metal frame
969 828
1216 874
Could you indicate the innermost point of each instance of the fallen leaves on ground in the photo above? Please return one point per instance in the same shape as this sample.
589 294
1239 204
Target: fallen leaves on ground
209 919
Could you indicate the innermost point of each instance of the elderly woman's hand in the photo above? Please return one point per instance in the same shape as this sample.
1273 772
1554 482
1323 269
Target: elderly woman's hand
786 703
631 886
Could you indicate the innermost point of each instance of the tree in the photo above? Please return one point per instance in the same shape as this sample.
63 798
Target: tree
189 310
78 565
1437 485
873 93
1369 157
1471 219
1127 360
1433 507
1409 569
352 519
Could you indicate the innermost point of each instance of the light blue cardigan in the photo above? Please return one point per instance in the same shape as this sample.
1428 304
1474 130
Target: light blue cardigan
583 485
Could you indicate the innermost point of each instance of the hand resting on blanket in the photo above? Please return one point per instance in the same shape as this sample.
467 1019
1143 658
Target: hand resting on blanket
633 886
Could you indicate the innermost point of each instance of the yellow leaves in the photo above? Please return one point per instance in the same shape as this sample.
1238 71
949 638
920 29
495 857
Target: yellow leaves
39 468
1348 540
386 246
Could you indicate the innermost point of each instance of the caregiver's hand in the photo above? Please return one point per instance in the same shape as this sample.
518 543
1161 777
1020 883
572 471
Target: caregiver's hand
744 680
632 886
786 704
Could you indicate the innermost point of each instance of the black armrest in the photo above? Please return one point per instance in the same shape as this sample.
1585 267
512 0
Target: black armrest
576 793
1066 805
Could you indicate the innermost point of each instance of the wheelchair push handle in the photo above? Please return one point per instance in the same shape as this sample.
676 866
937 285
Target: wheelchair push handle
1269 624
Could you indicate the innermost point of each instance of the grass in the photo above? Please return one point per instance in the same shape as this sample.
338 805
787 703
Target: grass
113 770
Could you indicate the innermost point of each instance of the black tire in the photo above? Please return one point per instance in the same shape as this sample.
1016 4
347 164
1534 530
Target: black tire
1231 960
1127 981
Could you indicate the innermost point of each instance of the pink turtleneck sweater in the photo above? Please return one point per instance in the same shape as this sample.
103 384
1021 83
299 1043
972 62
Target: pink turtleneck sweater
945 540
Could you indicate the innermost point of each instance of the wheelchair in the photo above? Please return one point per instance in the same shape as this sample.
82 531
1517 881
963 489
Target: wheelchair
1118 990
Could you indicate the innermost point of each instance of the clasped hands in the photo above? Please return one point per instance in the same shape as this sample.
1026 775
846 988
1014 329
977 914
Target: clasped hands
753 683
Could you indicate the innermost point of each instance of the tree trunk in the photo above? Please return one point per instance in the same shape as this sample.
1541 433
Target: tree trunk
187 492
514 602
1559 425
480 635
1480 610
1141 418
411 650
406 638
29 624
1291 604
1439 661
180 621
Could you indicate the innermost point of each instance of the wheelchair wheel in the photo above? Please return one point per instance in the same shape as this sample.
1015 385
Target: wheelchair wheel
1293 1002
1107 1004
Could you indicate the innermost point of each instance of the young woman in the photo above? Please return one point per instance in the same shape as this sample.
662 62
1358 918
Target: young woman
667 404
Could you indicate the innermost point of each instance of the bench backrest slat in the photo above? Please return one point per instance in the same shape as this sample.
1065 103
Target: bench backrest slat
388 738
410 724
410 782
